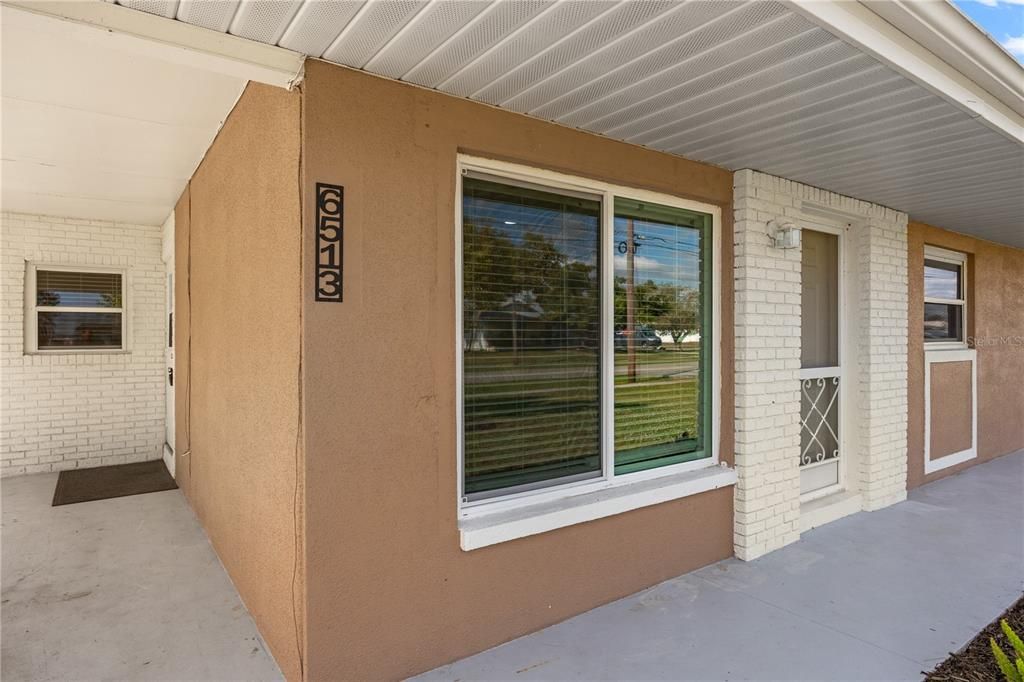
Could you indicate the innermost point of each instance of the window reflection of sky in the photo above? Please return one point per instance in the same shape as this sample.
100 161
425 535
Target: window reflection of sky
940 280
666 254
81 299
572 232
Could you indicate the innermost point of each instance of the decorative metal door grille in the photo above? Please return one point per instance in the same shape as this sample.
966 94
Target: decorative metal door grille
819 416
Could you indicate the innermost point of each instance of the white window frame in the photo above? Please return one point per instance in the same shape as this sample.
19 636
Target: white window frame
32 310
496 519
954 258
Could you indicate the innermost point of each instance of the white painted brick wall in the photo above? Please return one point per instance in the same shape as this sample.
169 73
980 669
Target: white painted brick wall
81 410
767 505
768 335
882 358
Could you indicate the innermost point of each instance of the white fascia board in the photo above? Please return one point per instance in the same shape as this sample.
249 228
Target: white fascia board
171 40
866 30
949 33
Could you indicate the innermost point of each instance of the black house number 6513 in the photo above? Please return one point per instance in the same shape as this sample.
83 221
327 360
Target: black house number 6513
330 230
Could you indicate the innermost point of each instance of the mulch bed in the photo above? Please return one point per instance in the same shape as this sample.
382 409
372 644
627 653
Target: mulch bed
975 662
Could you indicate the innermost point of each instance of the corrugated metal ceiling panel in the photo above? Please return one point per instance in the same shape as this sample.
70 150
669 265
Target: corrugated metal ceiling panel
740 85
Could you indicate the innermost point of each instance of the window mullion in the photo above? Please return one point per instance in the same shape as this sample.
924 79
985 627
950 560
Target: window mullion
608 335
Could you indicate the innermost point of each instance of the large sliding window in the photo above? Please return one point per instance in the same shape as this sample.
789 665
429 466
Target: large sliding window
586 333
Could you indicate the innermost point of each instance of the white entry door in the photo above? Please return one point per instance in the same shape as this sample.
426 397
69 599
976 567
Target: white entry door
821 372
169 378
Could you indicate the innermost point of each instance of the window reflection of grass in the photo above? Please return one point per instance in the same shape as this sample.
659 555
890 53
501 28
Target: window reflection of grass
534 408
655 412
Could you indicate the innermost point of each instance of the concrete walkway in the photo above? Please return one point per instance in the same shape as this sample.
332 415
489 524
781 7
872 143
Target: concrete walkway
122 589
130 589
875 596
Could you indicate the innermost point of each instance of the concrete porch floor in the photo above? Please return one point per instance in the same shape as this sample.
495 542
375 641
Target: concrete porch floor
875 596
121 589
130 588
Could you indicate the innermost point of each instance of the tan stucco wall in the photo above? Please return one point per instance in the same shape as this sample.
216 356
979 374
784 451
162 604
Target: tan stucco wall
238 331
390 592
952 428
996 321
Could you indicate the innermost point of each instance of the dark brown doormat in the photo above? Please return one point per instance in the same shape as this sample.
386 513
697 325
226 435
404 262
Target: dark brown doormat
119 480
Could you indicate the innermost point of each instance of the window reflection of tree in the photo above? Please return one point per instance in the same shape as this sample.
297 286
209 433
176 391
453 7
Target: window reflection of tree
541 296
46 297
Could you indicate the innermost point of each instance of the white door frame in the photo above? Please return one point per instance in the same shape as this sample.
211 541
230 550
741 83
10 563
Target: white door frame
827 227
167 256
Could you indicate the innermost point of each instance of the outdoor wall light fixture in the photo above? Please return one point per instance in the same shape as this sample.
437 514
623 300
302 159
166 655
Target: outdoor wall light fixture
785 235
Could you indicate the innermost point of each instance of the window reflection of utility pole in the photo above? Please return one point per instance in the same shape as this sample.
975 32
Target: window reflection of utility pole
630 304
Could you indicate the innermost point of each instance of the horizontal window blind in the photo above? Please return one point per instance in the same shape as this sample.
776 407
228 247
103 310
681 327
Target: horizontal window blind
531 336
78 289
662 334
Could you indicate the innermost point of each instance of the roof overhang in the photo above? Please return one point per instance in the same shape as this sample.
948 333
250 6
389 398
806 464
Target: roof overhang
107 111
174 42
935 45
903 104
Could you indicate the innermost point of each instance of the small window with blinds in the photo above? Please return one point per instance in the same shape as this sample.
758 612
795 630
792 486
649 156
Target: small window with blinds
75 309
586 329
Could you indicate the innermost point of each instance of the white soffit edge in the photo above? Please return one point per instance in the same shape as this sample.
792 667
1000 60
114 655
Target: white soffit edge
952 36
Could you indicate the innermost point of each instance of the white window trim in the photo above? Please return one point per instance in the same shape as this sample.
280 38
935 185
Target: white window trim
498 519
959 259
968 355
32 310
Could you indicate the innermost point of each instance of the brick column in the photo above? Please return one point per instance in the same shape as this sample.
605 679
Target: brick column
882 358
767 372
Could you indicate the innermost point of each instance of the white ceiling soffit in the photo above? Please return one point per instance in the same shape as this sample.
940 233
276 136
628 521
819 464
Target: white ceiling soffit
738 84
96 132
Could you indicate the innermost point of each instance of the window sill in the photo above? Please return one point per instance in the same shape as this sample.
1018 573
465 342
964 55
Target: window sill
930 346
484 529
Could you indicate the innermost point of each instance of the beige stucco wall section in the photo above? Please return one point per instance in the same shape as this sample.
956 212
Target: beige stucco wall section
237 326
952 408
390 592
995 323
